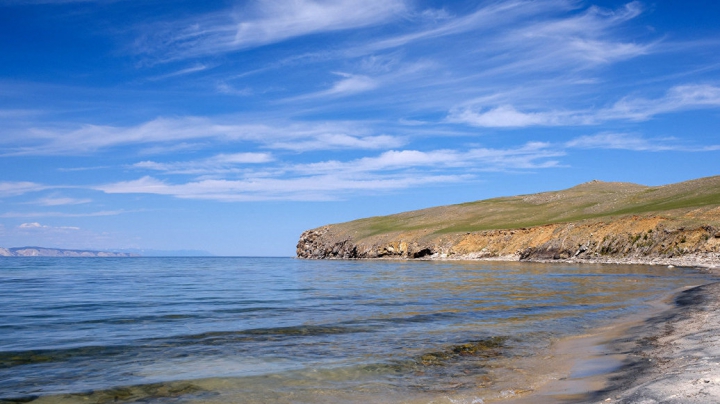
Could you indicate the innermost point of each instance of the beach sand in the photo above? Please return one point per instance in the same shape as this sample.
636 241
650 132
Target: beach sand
672 356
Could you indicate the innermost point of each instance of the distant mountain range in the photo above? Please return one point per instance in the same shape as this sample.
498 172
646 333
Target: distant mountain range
57 252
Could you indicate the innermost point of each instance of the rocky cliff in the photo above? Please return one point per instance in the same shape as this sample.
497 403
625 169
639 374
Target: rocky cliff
55 252
596 221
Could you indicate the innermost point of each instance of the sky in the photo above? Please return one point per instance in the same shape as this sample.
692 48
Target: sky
230 127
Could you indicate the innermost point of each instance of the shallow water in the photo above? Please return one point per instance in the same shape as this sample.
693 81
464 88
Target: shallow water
207 330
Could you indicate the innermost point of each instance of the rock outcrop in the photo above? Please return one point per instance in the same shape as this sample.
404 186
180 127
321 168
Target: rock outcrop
679 220
629 237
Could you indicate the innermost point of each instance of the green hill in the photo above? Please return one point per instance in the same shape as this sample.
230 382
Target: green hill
594 199
608 208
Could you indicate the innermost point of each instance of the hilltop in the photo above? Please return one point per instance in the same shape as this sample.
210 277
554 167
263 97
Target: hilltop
595 220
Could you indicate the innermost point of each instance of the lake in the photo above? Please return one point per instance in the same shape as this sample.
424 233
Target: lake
258 330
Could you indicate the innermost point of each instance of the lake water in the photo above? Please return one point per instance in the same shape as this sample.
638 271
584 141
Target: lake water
258 330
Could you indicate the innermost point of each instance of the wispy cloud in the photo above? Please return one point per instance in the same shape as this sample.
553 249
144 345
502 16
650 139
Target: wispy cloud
341 141
632 142
586 39
38 226
297 136
9 188
530 156
391 170
351 84
504 116
265 22
60 201
219 164
182 72
678 98
225 88
534 36
485 18
325 187
9 215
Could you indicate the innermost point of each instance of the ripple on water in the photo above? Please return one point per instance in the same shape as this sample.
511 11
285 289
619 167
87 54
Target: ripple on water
204 330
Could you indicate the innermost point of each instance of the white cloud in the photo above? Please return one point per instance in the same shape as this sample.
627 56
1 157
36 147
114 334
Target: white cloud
624 141
59 201
533 35
529 156
585 37
485 18
351 84
173 131
507 116
226 88
9 188
266 22
36 225
182 72
30 225
341 141
391 170
221 163
678 98
70 237
321 187
9 215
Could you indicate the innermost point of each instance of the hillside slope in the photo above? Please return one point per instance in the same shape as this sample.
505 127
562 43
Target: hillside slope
594 219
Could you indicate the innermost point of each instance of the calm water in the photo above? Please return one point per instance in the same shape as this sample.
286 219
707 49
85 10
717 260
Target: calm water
246 330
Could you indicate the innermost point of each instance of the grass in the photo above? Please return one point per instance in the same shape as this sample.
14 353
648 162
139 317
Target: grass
591 200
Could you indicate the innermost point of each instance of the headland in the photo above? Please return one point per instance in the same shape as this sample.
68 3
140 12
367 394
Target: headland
599 222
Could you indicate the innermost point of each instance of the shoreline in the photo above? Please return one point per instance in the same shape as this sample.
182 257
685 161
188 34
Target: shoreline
672 357
704 261
670 354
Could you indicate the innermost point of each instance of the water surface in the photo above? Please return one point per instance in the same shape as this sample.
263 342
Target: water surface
202 330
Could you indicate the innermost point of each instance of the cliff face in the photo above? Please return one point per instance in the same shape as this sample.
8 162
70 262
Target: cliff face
680 221
630 237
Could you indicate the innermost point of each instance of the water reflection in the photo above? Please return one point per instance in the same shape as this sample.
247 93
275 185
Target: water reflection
259 330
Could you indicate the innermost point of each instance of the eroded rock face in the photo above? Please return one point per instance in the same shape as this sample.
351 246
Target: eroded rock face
317 244
627 237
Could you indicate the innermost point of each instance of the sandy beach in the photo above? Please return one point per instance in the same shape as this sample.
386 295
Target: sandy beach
673 356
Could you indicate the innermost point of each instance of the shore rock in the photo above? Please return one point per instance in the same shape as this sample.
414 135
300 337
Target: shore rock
645 239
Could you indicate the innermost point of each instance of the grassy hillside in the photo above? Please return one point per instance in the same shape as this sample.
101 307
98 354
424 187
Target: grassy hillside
590 200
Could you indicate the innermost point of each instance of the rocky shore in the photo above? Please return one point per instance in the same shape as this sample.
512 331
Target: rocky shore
634 239
591 222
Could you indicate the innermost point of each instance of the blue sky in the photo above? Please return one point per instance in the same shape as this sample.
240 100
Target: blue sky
231 127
